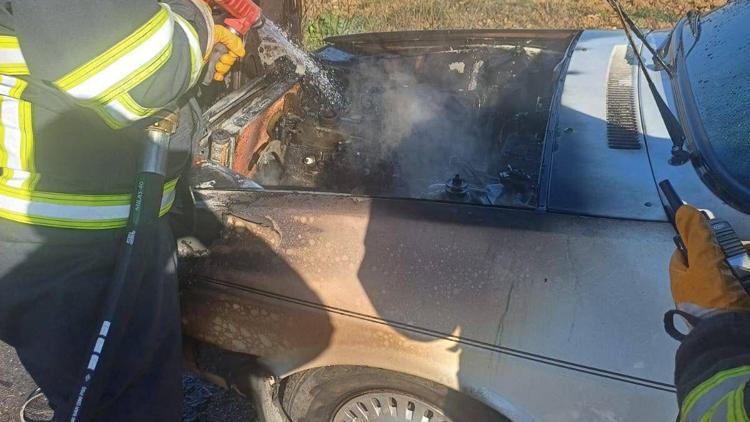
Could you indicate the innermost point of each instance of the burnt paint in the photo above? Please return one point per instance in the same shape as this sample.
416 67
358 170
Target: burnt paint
446 292
443 291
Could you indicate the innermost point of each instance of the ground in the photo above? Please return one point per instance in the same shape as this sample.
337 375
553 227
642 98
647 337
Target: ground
15 384
332 17
203 402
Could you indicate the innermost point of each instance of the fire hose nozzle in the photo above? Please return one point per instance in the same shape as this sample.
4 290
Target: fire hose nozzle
167 121
244 15
156 149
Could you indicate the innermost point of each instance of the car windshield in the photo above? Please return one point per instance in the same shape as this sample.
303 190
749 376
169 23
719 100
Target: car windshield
718 67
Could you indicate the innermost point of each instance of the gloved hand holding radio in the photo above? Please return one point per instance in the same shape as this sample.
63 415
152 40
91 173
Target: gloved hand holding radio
712 364
704 285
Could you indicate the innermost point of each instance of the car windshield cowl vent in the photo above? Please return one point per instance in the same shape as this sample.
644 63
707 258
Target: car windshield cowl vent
622 122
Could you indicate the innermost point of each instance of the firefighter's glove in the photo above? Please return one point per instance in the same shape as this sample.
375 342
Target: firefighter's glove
234 49
704 285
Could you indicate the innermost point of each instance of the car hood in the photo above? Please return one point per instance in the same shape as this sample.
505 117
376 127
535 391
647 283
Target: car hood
604 99
590 173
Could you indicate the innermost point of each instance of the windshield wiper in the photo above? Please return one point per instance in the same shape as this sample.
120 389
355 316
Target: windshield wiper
674 128
628 23
694 21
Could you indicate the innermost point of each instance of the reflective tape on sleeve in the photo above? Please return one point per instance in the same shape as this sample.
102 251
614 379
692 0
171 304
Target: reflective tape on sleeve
16 135
125 65
123 111
104 83
72 211
717 395
196 55
11 57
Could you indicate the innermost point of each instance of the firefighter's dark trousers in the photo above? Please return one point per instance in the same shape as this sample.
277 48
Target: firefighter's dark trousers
51 286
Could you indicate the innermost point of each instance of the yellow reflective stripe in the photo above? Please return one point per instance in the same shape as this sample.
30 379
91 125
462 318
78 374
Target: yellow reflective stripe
135 108
737 405
65 199
122 111
110 56
710 383
62 223
137 77
113 104
196 55
170 185
165 209
108 118
3 151
27 142
73 224
75 199
709 415
103 83
11 57
17 137
14 69
9 42
18 88
76 222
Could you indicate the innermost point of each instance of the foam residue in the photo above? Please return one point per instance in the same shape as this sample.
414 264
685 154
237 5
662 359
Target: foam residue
457 67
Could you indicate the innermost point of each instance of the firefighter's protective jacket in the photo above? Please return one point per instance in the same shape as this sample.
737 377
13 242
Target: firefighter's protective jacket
78 80
713 369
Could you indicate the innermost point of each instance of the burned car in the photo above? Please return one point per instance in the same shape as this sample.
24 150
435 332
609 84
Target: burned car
473 231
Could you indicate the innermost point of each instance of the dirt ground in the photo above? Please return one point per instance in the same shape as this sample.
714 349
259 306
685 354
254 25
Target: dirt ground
377 15
324 18
15 384
203 402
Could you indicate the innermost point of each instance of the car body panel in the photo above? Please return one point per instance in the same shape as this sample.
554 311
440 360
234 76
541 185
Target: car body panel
442 279
553 314
588 177
685 178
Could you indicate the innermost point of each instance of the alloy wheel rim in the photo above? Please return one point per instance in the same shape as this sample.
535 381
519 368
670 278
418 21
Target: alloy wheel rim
388 406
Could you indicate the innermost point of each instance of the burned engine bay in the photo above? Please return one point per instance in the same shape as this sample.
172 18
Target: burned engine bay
441 121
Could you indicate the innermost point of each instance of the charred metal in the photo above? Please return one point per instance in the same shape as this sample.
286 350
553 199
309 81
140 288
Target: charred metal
450 106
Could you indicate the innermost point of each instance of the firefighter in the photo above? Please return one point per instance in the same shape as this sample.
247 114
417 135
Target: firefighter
79 80
712 366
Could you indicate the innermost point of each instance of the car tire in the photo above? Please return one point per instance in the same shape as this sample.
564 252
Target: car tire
320 394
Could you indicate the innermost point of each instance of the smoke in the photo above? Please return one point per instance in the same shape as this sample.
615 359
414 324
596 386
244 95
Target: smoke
419 113
414 120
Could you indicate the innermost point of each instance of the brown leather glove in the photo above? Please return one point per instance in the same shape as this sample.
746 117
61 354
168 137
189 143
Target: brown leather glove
705 285
235 49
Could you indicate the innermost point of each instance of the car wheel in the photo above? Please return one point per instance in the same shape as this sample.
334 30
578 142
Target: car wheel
346 394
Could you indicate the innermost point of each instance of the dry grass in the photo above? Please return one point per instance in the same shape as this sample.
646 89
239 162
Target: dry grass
331 17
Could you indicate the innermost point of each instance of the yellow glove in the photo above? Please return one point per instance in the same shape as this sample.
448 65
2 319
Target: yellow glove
235 49
705 284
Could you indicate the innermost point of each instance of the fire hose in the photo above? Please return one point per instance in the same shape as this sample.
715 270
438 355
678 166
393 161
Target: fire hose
121 293
143 218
